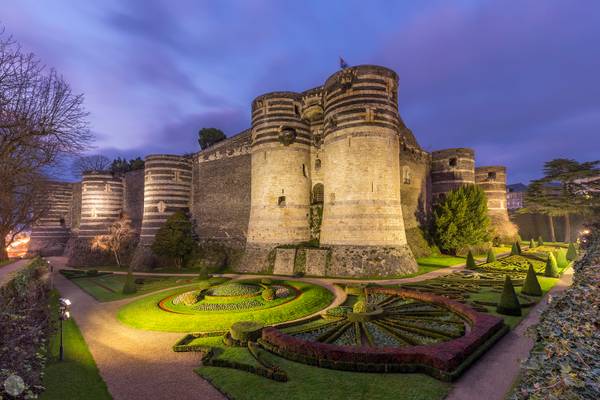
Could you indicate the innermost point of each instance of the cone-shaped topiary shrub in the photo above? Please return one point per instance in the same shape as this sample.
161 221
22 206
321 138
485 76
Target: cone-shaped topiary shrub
129 286
532 244
471 261
514 251
561 258
203 274
551 267
491 256
518 243
572 252
509 302
531 286
540 241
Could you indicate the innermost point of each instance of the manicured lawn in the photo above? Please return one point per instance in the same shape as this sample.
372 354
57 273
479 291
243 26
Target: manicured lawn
307 382
440 261
145 313
110 287
76 377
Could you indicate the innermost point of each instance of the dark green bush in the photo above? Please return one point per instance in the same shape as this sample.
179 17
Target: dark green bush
244 331
532 244
491 256
129 286
514 251
203 274
572 252
92 272
531 286
540 241
471 264
509 302
551 267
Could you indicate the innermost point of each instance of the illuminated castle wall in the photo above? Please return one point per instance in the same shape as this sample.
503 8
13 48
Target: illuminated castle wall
328 181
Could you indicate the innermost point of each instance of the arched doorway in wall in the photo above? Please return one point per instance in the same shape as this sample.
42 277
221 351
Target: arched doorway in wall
317 194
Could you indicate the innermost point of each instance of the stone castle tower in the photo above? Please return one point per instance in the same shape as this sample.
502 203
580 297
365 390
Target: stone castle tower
326 182
337 144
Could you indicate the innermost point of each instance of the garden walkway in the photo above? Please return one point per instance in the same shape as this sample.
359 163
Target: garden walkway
135 364
7 271
492 377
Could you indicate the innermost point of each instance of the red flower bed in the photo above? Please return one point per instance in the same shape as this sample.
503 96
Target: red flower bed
440 359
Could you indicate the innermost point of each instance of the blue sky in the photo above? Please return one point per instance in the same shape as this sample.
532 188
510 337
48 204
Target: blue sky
519 81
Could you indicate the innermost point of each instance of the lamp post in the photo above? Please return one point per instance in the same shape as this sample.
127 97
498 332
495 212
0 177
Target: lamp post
63 316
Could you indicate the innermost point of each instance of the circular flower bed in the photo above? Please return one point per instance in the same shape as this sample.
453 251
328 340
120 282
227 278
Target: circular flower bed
217 308
404 331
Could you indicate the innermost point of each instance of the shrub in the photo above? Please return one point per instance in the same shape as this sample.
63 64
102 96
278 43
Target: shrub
471 261
175 238
518 243
92 272
561 258
203 274
531 286
360 306
129 286
461 219
266 281
514 251
509 302
532 244
244 331
268 294
491 256
540 241
356 290
572 252
551 267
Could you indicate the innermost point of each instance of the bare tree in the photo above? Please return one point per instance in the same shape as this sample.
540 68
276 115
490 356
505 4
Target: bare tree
41 120
96 162
119 235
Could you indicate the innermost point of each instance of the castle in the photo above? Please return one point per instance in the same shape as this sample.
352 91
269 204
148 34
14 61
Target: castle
328 182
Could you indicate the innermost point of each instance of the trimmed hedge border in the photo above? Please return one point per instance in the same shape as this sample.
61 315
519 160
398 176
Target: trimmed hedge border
444 361
183 344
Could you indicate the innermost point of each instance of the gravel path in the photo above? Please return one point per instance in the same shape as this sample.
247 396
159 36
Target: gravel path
493 375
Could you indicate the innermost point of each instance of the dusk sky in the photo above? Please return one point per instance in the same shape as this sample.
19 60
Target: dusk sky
519 81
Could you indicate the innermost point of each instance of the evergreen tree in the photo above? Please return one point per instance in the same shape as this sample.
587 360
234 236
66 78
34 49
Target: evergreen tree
561 258
518 243
461 219
514 251
509 302
540 241
532 244
491 256
129 286
531 286
209 136
471 261
175 239
572 252
551 267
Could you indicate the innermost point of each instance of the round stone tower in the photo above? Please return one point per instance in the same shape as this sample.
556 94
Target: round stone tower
362 214
51 232
451 169
281 185
167 188
101 203
493 182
